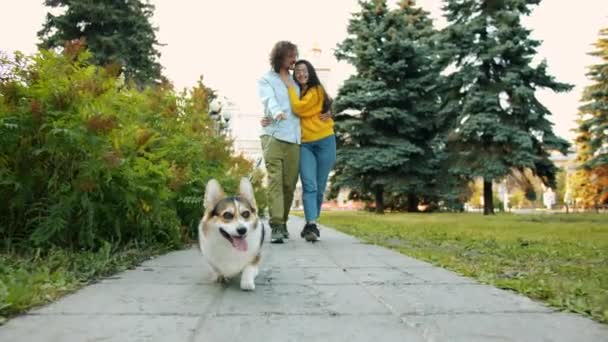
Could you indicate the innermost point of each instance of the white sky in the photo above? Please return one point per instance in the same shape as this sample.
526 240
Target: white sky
228 41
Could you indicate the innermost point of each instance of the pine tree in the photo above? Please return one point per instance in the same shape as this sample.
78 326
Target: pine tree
387 146
114 31
592 139
499 124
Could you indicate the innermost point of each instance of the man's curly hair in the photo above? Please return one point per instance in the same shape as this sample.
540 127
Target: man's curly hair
278 53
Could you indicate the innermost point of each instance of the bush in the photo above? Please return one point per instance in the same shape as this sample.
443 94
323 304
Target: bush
86 159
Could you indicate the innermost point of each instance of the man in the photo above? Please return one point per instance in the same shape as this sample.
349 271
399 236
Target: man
281 138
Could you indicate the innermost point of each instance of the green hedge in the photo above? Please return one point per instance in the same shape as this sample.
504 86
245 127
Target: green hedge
86 159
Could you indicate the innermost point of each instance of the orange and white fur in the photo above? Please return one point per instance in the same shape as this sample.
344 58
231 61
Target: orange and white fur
231 234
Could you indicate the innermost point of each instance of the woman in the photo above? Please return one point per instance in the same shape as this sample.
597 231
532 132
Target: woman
318 148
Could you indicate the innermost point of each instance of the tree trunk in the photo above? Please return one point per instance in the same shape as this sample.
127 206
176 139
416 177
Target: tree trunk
379 197
597 206
412 203
488 198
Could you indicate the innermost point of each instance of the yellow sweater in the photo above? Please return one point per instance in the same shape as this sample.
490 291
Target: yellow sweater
308 108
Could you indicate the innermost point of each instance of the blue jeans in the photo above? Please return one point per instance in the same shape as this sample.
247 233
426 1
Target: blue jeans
317 158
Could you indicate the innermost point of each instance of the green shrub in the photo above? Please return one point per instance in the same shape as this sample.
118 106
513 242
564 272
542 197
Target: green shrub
86 159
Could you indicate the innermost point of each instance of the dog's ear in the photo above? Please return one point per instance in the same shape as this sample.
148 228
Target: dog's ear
213 194
246 192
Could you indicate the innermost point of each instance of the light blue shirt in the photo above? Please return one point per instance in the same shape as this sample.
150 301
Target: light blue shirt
275 99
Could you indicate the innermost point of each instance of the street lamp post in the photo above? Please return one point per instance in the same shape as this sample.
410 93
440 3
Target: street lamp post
220 115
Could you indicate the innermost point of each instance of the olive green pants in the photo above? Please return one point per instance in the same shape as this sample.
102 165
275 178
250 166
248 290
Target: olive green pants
282 163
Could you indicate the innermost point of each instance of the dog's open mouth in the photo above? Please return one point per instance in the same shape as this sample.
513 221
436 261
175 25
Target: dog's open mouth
237 242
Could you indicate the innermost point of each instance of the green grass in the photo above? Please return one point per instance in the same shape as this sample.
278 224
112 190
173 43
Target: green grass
559 259
32 279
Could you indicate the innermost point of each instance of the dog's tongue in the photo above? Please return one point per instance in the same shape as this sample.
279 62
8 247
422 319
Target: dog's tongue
239 243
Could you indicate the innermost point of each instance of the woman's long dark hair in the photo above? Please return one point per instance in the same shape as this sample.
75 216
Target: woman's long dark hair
313 81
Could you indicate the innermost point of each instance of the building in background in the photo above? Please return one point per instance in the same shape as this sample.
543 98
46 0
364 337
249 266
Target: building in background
316 57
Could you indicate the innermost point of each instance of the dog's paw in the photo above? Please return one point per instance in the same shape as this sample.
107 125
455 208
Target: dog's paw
247 285
248 278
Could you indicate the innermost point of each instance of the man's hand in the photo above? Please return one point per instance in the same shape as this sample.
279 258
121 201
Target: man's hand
327 115
265 121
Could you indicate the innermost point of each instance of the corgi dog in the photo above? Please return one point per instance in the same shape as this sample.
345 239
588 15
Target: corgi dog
231 234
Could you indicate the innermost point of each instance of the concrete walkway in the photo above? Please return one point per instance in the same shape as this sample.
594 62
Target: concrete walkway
336 290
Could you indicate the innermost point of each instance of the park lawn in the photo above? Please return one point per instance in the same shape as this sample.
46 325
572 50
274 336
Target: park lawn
559 259
32 279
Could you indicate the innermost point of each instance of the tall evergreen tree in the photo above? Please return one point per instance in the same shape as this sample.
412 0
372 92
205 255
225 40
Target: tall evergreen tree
387 146
499 124
592 140
114 31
